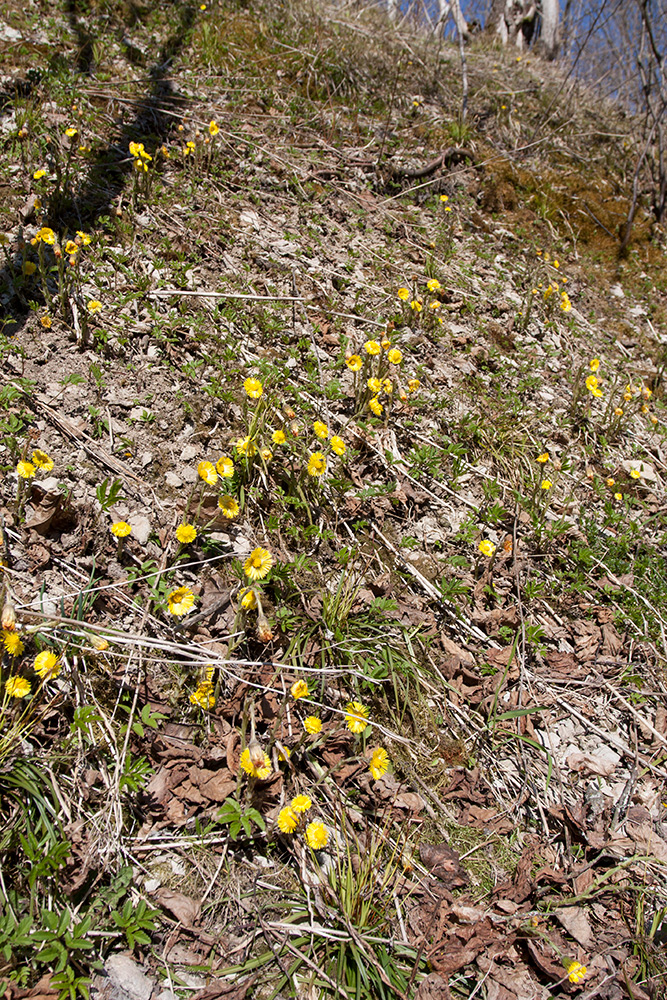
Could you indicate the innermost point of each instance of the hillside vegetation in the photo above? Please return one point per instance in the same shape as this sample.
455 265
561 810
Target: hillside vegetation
332 430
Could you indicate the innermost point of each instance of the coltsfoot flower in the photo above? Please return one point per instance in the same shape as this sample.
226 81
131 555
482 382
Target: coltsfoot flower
433 285
248 599
394 356
321 430
356 717
25 470
213 128
337 445
299 689
278 437
576 972
635 474
374 384
12 643
317 835
594 364
416 305
593 386
258 564
207 472
186 533
354 362
204 696
228 505
244 446
378 763
403 294
317 464
312 724
180 601
375 406
546 484
41 460
544 457
121 529
372 347
17 687
287 820
257 765
253 387
94 306
486 547
46 665
413 384
301 804
224 467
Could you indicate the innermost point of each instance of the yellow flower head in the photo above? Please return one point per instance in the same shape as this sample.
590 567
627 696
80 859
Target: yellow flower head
38 174
433 285
71 131
354 362
486 547
29 268
213 128
46 235
394 356
375 406
374 384
372 347
317 464
593 385
444 198
299 690
356 716
544 457
378 763
83 237
618 412
71 247
258 564
253 387
635 474
565 303
312 724
611 482
41 460
388 386
278 437
224 467
413 384
204 696
94 306
301 804
12 643
416 305
317 836
546 484
46 322
337 445
576 972
46 665
121 529
594 364
435 305
321 430
256 768
25 470
186 533
207 472
17 687
244 446
228 505
266 454
618 496
385 342
180 601
287 820
248 599
403 294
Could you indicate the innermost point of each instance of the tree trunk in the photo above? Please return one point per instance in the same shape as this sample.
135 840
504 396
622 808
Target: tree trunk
549 40
453 7
516 22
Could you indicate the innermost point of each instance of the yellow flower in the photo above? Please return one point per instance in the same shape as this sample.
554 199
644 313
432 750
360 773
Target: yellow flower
228 505
416 306
301 803
646 392
413 384
486 547
618 496
594 364
372 347
544 457
29 268
312 724
253 387
356 717
337 445
46 322
46 235
317 836
186 533
278 437
46 665
394 356
71 247
635 474
385 342
284 754
94 306
224 467
433 285
565 303
378 763
213 128
17 687
25 470
42 460
121 529
388 386
248 599
403 294
12 643
266 454
259 768
375 405
618 411
321 430
299 689
576 972
84 237
180 601
611 482
244 446
317 464
204 696
38 174
71 131
374 384
593 385
444 197
644 408
206 471
435 305
354 362
546 484
287 820
258 564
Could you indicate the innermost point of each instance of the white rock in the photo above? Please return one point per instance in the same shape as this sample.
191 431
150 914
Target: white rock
617 291
141 528
189 452
172 479
127 976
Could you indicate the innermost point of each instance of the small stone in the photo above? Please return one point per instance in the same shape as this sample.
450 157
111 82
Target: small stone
126 975
141 528
146 459
189 452
171 479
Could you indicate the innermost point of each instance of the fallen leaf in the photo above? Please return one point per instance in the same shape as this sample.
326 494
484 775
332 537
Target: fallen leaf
185 909
575 921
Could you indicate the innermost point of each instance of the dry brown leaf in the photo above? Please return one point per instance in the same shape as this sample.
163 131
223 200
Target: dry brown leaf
185 909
